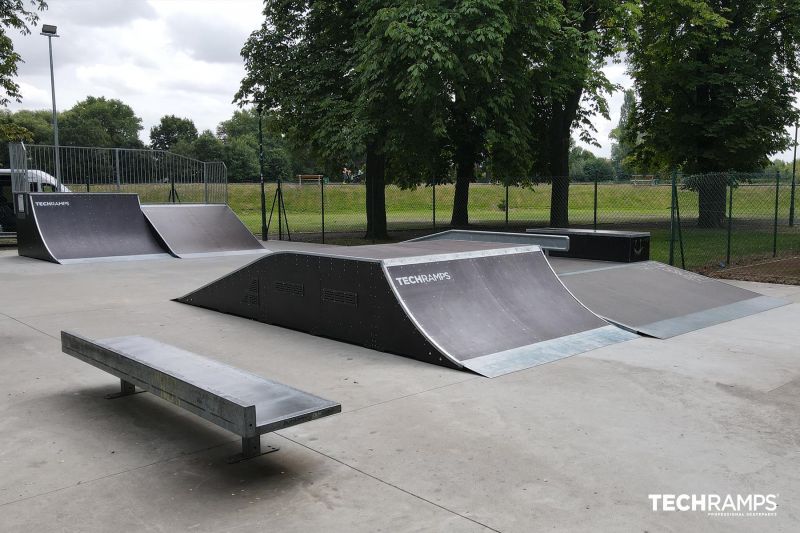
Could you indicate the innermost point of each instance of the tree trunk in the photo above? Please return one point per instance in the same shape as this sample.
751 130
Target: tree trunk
559 171
465 174
376 192
712 199
561 119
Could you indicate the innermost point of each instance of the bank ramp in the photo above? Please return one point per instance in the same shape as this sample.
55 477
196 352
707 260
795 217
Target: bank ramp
490 308
78 227
201 230
655 299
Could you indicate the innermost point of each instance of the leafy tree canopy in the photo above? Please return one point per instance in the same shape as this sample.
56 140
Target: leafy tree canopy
97 121
170 130
716 83
15 15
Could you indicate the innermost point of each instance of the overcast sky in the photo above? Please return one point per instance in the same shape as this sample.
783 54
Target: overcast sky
162 57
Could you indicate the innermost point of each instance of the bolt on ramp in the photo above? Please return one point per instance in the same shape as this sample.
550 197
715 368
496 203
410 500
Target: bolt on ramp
487 307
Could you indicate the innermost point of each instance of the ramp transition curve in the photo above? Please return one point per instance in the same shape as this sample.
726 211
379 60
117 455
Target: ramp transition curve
74 227
486 307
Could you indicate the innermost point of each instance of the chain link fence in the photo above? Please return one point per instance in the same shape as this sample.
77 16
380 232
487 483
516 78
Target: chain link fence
745 228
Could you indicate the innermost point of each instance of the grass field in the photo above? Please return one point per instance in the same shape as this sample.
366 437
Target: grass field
619 205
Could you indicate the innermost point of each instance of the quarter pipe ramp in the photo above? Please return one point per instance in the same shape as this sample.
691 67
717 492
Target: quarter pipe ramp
75 227
487 307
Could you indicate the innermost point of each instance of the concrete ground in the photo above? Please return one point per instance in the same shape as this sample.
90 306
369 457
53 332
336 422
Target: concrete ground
575 445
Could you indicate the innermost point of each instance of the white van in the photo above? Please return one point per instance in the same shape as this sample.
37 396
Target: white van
38 181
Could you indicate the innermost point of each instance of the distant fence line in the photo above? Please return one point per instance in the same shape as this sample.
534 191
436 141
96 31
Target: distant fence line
158 176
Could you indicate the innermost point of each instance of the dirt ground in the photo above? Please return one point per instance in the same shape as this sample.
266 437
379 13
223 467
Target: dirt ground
785 270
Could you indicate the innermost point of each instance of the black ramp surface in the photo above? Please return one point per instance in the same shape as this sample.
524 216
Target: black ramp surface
196 230
656 299
491 308
498 312
74 227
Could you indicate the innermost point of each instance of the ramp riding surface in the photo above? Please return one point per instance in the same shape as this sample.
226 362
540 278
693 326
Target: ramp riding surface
656 299
200 230
76 227
491 308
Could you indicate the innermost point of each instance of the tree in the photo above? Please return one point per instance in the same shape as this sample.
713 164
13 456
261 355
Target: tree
100 122
170 130
716 84
14 15
574 88
622 148
300 68
452 83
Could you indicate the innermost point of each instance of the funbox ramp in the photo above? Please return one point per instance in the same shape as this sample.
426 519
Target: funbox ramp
655 299
490 308
76 227
201 230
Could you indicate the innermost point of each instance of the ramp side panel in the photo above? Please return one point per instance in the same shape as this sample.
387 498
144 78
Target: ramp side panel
200 230
97 225
659 300
29 236
340 298
476 307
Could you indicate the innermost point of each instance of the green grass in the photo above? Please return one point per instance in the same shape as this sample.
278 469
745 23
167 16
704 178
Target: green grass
620 205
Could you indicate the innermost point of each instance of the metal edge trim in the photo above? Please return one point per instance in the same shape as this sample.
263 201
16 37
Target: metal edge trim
474 254
524 357
672 327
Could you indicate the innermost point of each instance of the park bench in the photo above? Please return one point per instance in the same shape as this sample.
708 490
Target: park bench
643 180
313 178
243 403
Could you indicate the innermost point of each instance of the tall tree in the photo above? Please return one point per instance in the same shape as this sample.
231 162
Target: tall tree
300 68
15 15
451 81
591 32
716 83
622 147
100 122
170 130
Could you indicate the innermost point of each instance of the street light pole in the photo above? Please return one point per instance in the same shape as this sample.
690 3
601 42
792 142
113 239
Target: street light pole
49 31
794 165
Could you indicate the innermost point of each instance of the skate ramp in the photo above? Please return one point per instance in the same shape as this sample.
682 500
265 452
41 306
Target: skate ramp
201 230
487 307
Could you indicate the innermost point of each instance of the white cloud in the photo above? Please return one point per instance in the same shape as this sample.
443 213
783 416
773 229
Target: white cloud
160 57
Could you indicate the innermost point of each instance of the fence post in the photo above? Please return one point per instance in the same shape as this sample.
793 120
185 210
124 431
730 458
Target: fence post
116 166
730 224
322 205
434 204
506 205
672 221
775 223
794 167
205 183
595 203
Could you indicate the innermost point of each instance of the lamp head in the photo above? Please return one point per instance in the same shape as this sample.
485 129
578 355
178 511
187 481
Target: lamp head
49 30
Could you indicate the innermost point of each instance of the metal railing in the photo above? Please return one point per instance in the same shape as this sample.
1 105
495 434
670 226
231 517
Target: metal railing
157 176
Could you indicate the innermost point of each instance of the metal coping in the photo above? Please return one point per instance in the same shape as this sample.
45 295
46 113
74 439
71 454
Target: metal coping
587 231
454 256
546 242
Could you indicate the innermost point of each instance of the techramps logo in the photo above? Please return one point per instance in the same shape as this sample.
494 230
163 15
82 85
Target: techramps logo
722 505
423 278
62 203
